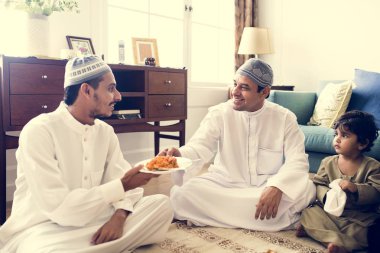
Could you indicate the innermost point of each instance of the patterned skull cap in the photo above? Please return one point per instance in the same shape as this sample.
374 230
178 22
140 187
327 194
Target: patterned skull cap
258 71
81 69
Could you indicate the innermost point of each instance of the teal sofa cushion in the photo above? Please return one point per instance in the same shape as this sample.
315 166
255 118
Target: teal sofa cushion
300 103
318 139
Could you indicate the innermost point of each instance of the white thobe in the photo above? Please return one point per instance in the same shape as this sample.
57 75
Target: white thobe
253 150
68 185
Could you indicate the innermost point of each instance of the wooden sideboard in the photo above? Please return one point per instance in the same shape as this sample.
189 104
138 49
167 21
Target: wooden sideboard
283 87
31 86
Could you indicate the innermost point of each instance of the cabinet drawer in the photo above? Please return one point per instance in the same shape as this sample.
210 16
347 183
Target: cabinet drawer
26 107
161 106
166 83
36 78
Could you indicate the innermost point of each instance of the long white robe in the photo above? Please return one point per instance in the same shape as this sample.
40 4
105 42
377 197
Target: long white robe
68 185
253 150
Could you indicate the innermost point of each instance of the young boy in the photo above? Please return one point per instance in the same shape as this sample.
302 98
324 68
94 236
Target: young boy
357 190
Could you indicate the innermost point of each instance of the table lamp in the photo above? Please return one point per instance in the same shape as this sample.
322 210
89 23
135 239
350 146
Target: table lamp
255 41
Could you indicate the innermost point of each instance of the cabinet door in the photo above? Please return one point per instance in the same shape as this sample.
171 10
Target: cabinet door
167 106
26 107
36 78
166 83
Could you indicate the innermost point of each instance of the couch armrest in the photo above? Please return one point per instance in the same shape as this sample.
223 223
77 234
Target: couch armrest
300 103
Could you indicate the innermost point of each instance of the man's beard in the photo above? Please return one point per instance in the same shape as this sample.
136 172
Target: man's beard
96 115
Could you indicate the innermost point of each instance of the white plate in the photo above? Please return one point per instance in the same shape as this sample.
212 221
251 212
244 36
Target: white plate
183 163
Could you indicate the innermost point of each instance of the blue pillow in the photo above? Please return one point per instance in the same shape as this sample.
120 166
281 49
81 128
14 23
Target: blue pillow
366 96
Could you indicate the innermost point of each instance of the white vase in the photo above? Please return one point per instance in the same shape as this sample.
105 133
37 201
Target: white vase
38 35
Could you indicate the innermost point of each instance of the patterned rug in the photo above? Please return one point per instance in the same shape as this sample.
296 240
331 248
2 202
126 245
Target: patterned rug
183 239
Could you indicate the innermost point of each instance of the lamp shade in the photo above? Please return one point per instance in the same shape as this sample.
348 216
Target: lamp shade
254 40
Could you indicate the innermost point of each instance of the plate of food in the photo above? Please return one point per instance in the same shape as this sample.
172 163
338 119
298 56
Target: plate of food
164 164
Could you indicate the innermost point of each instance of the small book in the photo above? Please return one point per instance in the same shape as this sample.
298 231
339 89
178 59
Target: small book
126 112
129 116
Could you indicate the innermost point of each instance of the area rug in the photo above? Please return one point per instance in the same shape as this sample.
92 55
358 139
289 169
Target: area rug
184 239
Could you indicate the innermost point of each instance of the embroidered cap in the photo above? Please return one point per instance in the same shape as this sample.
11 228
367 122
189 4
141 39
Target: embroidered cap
258 71
81 69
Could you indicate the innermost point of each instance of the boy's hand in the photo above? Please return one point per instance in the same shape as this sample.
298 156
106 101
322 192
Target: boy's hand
348 186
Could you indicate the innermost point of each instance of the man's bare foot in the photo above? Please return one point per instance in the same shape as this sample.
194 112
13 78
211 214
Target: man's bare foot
332 248
300 231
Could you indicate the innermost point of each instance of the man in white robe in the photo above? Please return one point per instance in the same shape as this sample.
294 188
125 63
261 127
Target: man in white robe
75 192
259 177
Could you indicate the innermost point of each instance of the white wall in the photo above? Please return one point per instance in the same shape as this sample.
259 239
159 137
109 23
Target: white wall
135 146
320 39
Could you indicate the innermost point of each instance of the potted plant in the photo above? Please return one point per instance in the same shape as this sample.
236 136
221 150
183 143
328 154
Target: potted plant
43 7
36 23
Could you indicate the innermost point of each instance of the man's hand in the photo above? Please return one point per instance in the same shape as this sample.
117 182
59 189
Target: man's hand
170 152
348 186
268 203
112 229
134 178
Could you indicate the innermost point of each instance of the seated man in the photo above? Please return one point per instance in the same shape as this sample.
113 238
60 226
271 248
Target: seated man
259 179
75 192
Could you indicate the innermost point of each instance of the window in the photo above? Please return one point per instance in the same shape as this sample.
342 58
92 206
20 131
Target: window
212 41
195 34
159 19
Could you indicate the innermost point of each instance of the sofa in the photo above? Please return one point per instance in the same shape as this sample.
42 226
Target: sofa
318 139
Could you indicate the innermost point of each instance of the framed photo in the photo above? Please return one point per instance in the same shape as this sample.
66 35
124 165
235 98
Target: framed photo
143 48
80 44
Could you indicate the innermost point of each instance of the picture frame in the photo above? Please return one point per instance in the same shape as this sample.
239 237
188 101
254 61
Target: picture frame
143 48
81 44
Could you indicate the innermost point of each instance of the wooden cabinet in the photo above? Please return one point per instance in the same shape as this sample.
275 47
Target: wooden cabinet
31 86
283 87
35 78
166 83
166 106
25 107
